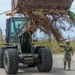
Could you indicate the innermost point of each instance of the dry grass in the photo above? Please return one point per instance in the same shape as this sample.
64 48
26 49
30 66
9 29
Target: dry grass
53 45
1 43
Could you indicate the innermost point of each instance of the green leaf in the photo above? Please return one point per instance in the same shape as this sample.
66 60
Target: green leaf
72 15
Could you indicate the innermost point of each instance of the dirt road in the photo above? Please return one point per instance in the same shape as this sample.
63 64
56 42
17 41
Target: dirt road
56 70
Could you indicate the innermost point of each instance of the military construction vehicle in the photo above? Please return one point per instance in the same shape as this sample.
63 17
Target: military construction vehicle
43 14
19 49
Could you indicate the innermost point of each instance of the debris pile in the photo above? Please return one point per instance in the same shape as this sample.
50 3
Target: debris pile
47 15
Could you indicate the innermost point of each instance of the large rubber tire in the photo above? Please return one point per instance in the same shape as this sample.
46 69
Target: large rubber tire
1 58
46 60
11 61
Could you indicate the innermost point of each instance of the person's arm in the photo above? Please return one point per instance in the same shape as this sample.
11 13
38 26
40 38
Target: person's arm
72 51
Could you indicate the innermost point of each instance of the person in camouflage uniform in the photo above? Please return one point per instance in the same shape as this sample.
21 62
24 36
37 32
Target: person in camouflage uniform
68 52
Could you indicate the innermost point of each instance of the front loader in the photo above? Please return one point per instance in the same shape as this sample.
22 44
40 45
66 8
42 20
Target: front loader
19 49
46 15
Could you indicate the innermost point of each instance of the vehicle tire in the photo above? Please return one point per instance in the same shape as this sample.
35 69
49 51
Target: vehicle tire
1 58
11 61
46 61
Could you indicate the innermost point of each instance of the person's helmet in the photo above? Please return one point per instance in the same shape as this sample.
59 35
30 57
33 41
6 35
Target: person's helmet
67 41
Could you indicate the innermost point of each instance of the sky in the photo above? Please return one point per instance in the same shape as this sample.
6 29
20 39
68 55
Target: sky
5 5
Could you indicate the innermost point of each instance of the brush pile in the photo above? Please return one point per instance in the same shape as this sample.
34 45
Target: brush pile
47 15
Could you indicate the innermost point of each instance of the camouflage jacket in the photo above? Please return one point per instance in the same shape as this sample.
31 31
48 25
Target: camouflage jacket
67 50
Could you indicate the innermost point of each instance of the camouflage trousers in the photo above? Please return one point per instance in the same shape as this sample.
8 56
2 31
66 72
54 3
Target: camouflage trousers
67 59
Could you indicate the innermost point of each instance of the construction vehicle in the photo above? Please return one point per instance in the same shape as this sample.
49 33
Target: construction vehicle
19 49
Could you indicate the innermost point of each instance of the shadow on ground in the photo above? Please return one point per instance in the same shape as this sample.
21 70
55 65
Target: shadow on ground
23 70
57 71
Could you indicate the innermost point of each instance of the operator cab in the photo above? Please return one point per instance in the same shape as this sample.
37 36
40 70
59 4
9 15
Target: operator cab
13 28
